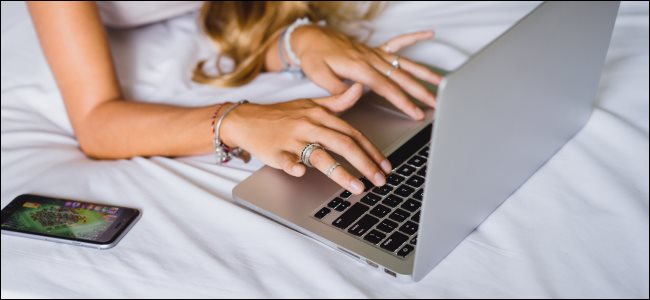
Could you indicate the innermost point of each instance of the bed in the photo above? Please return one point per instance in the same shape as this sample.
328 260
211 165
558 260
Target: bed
577 228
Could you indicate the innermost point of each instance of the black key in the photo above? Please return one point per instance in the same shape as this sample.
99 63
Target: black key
334 203
363 225
393 241
414 240
417 161
394 179
409 228
380 211
387 226
419 194
416 217
345 194
367 185
343 206
374 236
417 142
415 181
405 250
411 205
383 190
392 200
404 190
399 215
405 170
322 212
423 171
350 215
370 199
424 152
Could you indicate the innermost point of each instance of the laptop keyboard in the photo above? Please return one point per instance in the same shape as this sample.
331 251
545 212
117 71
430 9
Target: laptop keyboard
388 216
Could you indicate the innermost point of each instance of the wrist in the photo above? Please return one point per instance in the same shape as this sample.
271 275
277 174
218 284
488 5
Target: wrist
303 37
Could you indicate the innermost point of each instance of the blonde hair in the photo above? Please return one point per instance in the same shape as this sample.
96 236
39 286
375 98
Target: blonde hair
243 30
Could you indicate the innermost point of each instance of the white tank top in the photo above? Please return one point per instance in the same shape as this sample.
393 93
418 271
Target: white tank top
124 14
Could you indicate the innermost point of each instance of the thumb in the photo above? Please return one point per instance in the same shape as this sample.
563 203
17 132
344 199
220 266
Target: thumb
341 102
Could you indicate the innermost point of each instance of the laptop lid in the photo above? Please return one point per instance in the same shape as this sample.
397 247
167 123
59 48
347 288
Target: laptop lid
504 113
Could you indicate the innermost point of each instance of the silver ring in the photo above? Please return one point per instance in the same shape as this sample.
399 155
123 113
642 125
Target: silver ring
306 153
395 62
331 169
394 66
387 48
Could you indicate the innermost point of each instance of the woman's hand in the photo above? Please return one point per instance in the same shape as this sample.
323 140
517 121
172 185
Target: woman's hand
328 56
277 134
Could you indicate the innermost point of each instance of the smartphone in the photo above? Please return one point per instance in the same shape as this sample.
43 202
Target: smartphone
73 222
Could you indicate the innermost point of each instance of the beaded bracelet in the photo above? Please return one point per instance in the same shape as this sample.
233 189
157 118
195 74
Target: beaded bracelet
294 64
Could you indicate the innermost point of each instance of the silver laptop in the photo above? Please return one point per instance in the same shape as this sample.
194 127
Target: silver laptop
501 116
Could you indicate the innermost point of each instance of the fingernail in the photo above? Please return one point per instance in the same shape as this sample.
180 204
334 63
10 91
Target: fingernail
380 179
418 113
356 187
386 167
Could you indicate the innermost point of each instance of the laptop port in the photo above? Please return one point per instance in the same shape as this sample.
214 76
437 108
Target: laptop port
372 263
389 272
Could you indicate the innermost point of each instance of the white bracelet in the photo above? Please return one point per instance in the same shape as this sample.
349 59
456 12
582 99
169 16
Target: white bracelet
295 61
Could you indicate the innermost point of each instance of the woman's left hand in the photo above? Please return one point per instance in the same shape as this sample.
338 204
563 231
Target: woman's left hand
327 57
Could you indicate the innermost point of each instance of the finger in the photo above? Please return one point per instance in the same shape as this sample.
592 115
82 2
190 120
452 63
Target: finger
322 161
289 163
323 76
385 87
402 41
419 71
342 102
406 81
371 150
347 147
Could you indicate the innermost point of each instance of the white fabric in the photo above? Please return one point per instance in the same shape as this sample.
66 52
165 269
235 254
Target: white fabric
578 228
123 14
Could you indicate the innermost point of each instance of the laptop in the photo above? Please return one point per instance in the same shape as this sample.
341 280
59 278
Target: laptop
500 116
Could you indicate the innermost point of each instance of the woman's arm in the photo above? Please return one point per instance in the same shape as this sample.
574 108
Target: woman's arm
105 124
108 126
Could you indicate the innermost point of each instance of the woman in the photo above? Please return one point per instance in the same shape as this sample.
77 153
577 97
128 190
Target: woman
258 36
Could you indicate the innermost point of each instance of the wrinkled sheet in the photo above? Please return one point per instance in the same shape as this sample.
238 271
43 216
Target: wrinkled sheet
577 228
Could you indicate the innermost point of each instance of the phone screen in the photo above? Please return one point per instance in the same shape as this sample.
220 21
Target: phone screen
66 219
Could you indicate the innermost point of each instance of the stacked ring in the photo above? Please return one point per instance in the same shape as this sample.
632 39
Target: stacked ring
307 151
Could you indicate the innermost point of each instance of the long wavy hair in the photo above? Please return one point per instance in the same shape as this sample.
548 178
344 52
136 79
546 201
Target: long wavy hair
243 30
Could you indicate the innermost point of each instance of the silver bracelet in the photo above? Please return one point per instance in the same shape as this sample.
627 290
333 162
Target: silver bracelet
223 152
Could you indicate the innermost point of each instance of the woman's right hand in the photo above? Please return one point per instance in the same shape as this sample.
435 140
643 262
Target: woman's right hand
277 134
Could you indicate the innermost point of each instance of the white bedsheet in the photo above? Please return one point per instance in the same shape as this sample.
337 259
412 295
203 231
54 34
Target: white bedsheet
578 228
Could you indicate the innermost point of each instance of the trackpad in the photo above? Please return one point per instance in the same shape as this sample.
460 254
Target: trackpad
381 122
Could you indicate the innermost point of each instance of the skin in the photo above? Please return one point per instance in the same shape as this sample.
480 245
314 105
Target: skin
108 126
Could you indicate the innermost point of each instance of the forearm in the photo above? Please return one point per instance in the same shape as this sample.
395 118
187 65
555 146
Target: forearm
123 129
272 60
